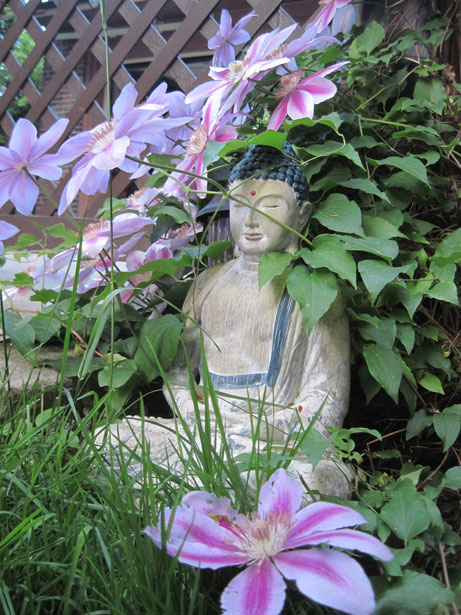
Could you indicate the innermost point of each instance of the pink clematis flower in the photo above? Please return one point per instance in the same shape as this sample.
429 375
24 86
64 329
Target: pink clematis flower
307 40
7 230
109 144
26 155
233 83
223 42
214 127
207 532
326 14
299 96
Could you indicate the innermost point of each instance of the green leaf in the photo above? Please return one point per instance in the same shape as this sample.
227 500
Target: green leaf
376 274
385 367
44 295
365 185
329 252
25 240
448 425
158 345
387 248
406 334
431 93
409 164
444 291
269 137
449 250
414 594
166 266
340 214
419 421
20 332
45 325
431 383
315 292
121 373
271 265
61 232
332 120
452 478
367 41
179 215
374 226
314 445
383 334
335 147
406 513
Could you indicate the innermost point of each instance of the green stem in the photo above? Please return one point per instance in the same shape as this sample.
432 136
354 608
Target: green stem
5 356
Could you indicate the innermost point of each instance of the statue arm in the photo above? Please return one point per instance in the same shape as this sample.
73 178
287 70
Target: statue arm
317 372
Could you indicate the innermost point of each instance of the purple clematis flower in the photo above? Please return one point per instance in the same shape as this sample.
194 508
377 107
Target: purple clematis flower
299 96
214 127
7 230
233 83
223 42
26 155
207 532
326 14
109 144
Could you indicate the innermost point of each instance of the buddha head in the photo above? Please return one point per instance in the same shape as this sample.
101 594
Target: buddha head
268 199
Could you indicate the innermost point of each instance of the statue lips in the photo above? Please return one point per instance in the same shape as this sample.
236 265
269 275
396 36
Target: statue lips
253 236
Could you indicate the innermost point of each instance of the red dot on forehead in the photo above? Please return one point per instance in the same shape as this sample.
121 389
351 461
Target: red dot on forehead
253 192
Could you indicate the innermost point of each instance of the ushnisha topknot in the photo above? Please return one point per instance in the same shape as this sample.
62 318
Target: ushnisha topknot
265 162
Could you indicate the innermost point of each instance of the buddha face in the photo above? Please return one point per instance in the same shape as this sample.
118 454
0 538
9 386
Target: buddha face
260 208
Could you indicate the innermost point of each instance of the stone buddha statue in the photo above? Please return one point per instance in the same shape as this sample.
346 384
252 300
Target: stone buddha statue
270 376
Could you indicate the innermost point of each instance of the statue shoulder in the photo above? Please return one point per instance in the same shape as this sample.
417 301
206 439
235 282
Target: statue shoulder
202 286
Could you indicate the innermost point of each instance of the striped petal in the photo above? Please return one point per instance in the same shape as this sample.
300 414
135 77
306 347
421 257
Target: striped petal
320 517
351 539
280 494
300 105
319 88
330 578
257 590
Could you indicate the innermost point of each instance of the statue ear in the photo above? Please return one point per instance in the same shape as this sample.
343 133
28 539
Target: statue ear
305 211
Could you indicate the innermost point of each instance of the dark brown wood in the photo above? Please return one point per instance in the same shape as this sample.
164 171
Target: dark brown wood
23 14
35 55
92 31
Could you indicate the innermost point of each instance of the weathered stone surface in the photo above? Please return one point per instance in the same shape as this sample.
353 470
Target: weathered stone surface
24 377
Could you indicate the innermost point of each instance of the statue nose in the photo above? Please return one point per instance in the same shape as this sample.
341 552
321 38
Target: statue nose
252 218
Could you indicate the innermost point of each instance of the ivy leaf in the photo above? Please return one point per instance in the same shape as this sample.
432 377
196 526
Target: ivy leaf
385 367
419 421
365 185
444 291
158 345
121 373
179 215
387 248
329 252
431 93
20 332
272 265
449 250
374 226
452 478
414 594
406 334
376 274
448 425
383 334
367 41
406 513
340 214
45 325
431 383
315 292
409 164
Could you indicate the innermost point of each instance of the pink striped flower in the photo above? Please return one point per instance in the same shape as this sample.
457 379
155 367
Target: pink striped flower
326 14
298 96
206 532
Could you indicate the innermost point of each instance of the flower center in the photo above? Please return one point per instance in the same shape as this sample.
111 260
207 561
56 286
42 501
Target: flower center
289 84
102 137
237 70
197 141
260 539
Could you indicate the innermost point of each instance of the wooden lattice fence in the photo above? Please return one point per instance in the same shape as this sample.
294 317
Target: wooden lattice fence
148 40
